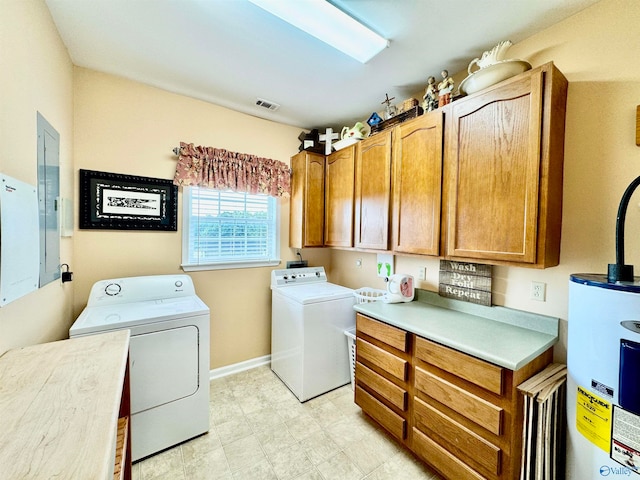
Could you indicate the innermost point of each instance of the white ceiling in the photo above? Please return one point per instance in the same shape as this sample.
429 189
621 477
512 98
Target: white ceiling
229 52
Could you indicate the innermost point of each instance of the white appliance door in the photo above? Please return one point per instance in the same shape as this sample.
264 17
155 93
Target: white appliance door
163 367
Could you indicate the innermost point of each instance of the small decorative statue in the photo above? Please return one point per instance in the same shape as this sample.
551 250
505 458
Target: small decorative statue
430 98
445 87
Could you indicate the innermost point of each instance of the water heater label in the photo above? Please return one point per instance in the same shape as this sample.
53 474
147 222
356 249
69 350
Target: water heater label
593 418
602 388
625 439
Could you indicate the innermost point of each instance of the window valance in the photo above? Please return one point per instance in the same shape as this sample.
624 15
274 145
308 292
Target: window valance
223 170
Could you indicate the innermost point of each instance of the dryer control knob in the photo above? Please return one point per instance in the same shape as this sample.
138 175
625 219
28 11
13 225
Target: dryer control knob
178 283
112 289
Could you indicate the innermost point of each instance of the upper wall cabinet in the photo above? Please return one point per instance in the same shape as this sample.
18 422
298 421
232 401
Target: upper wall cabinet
503 164
306 214
373 192
339 187
417 181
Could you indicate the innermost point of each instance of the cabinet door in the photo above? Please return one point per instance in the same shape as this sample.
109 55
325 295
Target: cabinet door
493 165
417 185
339 187
373 192
306 213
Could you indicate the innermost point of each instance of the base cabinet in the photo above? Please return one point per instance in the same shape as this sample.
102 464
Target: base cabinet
461 415
382 374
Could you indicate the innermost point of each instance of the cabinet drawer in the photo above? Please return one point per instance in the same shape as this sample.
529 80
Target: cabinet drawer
467 442
389 390
381 358
476 409
479 372
391 421
381 331
441 459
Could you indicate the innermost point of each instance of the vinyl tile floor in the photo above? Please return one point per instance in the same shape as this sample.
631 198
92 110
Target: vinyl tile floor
260 431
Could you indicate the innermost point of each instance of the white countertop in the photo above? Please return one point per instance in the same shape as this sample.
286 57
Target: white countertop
505 337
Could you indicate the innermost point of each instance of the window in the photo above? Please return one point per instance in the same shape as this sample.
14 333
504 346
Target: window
224 229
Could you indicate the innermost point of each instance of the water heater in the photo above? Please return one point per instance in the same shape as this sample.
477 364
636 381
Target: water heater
603 385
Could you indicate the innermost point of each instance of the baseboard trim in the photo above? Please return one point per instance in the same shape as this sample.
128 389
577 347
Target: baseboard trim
239 367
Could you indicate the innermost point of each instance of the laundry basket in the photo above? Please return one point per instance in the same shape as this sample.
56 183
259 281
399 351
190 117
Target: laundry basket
351 344
368 295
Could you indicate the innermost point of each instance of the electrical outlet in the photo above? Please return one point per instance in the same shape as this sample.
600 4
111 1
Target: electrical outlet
423 273
358 263
538 291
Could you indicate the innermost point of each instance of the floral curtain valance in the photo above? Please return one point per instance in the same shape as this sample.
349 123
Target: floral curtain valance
223 170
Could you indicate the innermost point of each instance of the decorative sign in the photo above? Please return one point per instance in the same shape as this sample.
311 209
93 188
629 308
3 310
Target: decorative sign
469 282
127 202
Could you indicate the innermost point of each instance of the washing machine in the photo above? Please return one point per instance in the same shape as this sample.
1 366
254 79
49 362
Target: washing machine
168 354
309 315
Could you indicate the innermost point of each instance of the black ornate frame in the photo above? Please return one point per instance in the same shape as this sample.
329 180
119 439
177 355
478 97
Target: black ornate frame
127 202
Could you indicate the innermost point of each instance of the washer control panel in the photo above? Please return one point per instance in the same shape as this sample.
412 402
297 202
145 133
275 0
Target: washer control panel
297 276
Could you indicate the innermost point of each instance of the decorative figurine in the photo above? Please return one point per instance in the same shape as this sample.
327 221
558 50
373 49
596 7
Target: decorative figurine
374 119
359 131
430 98
445 87
390 110
495 55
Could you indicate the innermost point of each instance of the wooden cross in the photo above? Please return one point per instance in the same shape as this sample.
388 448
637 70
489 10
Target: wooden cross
327 137
388 100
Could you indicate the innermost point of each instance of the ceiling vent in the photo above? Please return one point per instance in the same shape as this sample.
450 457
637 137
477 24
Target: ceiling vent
268 104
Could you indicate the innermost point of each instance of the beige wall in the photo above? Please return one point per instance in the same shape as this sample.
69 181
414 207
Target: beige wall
121 126
597 51
36 76
126 127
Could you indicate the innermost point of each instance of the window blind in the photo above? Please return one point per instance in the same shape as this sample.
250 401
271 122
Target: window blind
225 227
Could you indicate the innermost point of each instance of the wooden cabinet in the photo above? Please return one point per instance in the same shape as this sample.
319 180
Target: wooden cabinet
503 164
373 192
306 213
460 414
339 188
382 374
492 194
469 409
417 185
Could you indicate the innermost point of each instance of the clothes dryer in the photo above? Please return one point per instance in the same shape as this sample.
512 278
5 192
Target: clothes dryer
168 354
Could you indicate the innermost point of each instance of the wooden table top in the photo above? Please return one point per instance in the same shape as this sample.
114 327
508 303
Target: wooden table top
59 406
